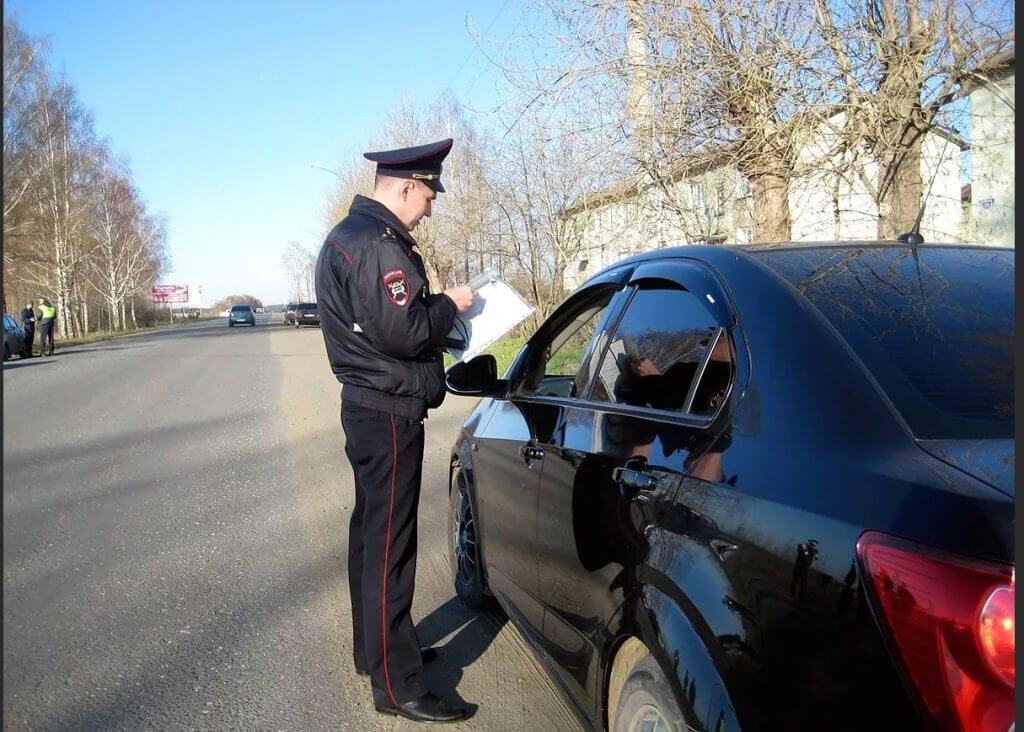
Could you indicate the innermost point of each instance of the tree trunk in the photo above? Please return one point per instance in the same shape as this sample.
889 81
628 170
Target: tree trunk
135 323
900 186
770 191
638 101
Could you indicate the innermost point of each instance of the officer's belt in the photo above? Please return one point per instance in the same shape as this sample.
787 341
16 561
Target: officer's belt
403 406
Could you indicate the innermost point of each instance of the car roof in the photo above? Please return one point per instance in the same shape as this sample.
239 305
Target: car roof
716 253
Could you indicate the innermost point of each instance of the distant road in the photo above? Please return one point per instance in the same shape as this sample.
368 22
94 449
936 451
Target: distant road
175 512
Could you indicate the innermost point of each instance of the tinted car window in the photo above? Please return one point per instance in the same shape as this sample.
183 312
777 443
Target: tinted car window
241 309
934 328
656 352
306 306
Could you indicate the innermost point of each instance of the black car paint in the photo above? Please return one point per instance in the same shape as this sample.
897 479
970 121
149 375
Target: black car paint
306 314
745 587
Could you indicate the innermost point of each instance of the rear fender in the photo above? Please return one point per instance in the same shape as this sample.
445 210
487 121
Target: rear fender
659 614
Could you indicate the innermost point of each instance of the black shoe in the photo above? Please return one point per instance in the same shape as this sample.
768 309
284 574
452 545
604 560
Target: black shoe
427 655
428 708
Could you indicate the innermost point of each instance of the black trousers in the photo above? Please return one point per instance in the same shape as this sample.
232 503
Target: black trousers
30 336
386 453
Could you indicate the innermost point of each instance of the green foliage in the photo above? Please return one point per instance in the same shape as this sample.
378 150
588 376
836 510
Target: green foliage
503 350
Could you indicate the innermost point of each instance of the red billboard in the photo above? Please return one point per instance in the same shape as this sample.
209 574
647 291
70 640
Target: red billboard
169 293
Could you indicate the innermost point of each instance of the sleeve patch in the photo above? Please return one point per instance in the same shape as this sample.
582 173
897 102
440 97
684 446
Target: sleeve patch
396 286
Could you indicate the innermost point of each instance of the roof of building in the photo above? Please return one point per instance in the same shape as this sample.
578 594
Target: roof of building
702 162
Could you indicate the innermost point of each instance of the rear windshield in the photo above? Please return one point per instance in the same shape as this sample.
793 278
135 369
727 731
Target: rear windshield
935 328
306 306
241 308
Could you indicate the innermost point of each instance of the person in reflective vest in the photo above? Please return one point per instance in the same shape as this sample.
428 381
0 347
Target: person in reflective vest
46 320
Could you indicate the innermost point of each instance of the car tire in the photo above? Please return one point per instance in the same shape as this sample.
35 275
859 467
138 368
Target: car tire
646 701
464 549
231 325
7 352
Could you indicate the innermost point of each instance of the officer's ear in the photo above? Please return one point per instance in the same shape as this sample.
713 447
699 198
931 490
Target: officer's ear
408 186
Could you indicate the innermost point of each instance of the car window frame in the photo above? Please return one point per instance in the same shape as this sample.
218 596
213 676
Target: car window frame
723 309
681 417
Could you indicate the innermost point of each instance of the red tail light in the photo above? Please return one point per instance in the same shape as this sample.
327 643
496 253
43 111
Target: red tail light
950 622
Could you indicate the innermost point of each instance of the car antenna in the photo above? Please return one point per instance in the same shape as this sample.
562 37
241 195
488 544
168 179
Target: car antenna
913 237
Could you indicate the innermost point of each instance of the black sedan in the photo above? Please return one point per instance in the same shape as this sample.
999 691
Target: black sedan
14 339
306 313
763 488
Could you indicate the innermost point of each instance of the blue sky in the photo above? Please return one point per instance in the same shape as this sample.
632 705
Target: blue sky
220 107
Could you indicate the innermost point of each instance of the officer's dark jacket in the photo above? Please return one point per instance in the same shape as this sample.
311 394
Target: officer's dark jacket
382 327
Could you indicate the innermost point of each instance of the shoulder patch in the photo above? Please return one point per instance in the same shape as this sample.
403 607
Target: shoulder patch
389 233
396 287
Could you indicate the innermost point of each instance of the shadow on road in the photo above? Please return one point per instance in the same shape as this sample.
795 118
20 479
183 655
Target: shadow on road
26 362
477 630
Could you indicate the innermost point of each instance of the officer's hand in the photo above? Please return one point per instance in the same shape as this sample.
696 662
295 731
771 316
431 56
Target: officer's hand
463 296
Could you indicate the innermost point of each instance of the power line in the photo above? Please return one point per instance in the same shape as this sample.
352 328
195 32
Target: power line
470 54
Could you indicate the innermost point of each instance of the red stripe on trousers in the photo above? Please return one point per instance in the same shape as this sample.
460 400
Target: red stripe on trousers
387 551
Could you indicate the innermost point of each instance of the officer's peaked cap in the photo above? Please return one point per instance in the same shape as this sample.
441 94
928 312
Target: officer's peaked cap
422 162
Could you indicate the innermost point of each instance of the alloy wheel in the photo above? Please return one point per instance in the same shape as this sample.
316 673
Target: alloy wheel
464 541
648 719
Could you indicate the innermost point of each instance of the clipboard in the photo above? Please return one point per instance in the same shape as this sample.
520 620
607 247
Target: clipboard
497 310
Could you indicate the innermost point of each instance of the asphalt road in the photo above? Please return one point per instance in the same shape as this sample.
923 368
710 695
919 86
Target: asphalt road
175 511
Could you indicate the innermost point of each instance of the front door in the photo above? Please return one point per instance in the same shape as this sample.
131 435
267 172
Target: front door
510 454
507 478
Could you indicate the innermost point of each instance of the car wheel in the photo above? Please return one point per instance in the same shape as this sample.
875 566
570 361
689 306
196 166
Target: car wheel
231 325
7 352
464 549
646 702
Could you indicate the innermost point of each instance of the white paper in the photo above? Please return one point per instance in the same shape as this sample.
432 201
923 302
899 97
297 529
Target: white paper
497 310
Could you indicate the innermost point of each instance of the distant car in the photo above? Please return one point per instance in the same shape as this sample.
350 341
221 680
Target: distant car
14 338
306 313
241 314
289 313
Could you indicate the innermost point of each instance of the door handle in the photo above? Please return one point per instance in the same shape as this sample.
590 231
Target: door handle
634 483
531 452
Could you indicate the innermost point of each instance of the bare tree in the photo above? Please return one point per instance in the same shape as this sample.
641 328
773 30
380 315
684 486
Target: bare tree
75 230
535 181
299 265
900 64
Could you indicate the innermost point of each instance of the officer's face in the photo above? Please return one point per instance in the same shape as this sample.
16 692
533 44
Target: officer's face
417 203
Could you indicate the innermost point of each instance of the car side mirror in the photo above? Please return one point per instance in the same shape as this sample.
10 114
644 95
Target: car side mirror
476 377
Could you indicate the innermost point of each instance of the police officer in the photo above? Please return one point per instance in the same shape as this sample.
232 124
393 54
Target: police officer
383 329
